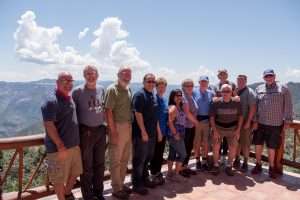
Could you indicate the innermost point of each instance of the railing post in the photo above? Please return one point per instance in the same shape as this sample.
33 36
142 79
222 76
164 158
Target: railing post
279 154
21 166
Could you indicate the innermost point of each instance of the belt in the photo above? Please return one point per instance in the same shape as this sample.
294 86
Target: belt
202 117
90 128
227 125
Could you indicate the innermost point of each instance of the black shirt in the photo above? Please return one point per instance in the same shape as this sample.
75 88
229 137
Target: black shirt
145 103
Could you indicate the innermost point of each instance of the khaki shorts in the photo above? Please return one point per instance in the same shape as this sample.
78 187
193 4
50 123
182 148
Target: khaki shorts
245 138
202 132
60 170
228 133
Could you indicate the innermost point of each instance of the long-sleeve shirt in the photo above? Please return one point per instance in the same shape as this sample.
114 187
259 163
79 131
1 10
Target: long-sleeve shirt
274 104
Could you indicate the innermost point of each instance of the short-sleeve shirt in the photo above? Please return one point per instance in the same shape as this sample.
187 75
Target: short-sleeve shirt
119 99
145 102
247 97
62 112
89 105
203 100
162 114
193 107
225 113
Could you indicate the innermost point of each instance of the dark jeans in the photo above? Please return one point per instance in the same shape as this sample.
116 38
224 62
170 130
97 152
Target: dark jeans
158 158
92 144
189 143
142 154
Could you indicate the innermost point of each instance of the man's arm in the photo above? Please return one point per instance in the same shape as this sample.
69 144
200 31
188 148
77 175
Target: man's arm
140 121
288 106
53 134
111 126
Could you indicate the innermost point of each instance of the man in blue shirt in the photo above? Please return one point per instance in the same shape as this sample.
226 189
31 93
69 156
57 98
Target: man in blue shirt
62 138
144 134
203 97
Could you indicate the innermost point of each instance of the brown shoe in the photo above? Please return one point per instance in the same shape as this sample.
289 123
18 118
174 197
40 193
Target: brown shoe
272 172
257 169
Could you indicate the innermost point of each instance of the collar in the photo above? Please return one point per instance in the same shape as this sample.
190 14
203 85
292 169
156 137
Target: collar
62 95
273 85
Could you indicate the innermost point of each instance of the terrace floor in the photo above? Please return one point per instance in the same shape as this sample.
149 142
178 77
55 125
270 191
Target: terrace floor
209 187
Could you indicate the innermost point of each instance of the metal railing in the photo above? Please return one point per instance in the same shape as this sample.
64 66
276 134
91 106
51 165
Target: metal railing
17 144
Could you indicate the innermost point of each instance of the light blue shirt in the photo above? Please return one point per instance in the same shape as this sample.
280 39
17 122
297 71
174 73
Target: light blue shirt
203 101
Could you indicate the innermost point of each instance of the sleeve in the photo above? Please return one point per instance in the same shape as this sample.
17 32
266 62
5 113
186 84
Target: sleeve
251 97
212 109
138 102
110 98
255 117
288 105
49 111
75 95
239 106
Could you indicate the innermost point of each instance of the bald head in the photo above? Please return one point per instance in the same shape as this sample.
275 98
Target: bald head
64 82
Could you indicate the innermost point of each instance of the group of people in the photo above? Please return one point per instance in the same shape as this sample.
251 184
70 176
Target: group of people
200 119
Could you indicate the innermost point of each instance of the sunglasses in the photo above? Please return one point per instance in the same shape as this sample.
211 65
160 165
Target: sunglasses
226 91
178 95
153 82
65 81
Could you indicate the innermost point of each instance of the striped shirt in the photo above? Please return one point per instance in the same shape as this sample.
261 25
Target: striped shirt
274 104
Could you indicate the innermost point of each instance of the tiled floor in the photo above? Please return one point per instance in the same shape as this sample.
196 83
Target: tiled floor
209 187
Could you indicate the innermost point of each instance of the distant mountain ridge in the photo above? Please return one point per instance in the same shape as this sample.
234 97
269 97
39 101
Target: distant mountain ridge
20 104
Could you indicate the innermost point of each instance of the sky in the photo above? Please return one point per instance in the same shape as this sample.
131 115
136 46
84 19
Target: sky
173 39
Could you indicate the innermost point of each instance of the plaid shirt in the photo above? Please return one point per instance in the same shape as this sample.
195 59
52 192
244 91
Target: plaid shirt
274 104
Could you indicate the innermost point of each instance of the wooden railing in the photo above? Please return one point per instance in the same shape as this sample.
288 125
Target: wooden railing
17 144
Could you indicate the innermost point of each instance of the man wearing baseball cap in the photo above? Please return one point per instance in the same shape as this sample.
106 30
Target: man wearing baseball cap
203 97
274 113
223 79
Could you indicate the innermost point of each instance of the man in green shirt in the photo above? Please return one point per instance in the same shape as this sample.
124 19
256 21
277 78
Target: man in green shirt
119 118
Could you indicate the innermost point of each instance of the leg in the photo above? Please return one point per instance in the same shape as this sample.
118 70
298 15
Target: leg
70 184
99 161
156 162
140 151
258 152
125 149
181 151
86 179
150 153
59 189
188 141
216 155
197 141
271 155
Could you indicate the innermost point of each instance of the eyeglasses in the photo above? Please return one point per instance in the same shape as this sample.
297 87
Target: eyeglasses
178 95
151 82
269 76
188 86
65 81
226 91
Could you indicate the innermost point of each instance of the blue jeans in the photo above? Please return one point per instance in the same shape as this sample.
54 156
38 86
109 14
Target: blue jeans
142 154
177 151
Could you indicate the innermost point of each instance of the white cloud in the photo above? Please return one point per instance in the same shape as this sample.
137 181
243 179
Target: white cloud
40 45
109 49
83 33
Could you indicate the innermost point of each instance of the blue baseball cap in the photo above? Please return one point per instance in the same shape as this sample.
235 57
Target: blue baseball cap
269 72
203 78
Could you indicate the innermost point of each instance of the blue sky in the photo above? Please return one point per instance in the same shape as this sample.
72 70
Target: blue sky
175 39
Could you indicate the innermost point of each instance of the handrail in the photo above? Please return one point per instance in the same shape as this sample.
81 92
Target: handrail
19 143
